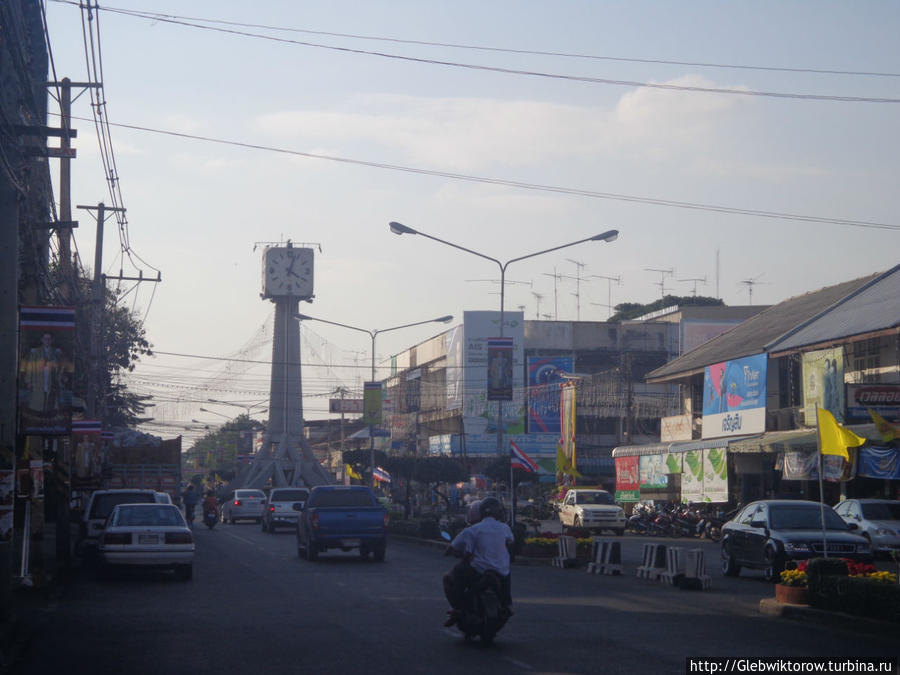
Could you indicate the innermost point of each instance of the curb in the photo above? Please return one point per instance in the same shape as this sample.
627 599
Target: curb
860 624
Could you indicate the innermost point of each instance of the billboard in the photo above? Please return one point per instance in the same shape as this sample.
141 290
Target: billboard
545 374
46 369
455 360
734 397
705 476
480 415
823 383
883 399
345 405
628 479
500 369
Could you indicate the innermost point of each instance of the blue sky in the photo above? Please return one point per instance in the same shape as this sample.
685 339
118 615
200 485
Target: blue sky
197 208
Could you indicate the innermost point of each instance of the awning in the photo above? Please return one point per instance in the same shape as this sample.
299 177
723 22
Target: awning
674 446
795 439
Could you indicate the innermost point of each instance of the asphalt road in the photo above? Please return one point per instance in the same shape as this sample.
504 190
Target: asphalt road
255 607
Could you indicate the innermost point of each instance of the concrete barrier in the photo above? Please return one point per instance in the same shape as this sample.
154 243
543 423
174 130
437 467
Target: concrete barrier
566 548
653 561
606 557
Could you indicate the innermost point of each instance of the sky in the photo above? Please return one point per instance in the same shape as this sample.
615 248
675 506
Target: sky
739 148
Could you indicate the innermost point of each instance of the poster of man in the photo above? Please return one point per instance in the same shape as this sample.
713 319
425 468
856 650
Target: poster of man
46 370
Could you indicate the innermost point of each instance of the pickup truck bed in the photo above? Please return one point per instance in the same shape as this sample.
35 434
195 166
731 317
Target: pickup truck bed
342 517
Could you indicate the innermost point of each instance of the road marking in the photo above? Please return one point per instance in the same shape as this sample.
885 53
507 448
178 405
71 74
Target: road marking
518 664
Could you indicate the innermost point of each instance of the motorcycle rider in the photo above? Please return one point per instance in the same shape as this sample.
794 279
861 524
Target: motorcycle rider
482 546
210 503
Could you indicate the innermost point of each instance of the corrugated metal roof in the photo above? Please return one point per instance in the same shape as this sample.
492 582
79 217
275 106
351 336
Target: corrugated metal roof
752 336
872 308
673 446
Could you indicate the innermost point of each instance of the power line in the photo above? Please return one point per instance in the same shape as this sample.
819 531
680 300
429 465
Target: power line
716 208
509 71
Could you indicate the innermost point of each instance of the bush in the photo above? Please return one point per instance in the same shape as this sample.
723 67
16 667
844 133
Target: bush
858 595
818 569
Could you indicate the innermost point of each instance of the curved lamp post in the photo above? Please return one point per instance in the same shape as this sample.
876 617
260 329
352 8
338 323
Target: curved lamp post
372 334
608 236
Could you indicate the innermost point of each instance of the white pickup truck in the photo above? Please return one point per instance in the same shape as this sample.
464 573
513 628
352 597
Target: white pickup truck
592 510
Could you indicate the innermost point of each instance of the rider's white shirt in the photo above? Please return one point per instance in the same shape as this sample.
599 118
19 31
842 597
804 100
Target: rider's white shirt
487 542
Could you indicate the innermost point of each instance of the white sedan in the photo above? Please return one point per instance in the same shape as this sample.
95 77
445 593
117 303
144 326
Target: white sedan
148 535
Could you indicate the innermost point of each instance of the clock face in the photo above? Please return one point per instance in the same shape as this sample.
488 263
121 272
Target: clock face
288 272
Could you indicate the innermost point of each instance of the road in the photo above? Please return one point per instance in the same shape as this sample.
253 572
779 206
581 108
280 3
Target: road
254 606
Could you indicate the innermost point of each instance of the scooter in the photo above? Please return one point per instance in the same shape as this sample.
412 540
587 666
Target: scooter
210 518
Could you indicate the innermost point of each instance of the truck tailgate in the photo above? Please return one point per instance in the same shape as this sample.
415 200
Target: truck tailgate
349 521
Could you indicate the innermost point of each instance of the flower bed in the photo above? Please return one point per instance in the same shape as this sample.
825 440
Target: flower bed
545 546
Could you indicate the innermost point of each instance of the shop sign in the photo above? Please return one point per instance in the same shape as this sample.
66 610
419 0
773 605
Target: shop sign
628 479
884 399
734 397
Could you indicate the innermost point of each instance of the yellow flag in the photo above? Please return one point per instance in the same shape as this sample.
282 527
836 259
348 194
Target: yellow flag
833 438
563 465
351 472
887 430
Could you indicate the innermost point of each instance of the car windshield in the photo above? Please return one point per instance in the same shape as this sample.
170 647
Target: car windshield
595 498
882 511
148 516
804 518
290 496
344 498
103 505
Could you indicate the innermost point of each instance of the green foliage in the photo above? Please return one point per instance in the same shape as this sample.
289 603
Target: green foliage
857 595
632 310
218 449
819 568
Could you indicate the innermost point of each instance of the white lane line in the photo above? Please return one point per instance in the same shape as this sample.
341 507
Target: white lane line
518 664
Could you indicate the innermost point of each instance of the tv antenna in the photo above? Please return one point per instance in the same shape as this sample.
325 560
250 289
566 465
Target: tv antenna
579 268
609 280
699 280
662 278
538 297
556 277
750 283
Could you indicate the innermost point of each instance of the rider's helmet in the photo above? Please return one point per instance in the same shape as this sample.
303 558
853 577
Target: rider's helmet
474 513
492 507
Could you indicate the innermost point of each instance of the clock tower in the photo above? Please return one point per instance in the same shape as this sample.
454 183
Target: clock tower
286 456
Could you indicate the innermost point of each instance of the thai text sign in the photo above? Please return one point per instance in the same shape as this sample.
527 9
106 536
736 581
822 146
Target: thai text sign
628 479
734 397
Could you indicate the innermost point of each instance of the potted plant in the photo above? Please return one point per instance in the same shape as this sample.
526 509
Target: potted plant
794 588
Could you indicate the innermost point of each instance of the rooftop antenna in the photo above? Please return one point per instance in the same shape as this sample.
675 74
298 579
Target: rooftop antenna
700 280
538 297
662 278
579 268
750 283
610 280
556 277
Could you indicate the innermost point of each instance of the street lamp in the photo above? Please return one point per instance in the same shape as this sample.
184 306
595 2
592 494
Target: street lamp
372 334
213 412
608 236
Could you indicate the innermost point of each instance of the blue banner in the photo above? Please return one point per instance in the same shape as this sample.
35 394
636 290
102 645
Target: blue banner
879 463
545 373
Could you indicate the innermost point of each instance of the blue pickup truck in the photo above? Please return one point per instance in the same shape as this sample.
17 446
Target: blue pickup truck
344 517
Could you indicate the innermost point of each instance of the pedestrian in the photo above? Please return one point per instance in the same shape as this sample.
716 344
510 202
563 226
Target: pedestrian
191 499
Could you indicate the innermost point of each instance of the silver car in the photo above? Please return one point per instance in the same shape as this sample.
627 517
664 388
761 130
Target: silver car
244 504
878 521
147 536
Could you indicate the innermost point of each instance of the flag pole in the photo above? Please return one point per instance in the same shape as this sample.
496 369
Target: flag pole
821 484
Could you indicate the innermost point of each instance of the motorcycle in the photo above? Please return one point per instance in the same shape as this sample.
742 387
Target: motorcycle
485 611
210 518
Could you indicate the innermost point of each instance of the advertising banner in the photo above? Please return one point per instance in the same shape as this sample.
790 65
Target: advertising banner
628 479
804 465
823 383
480 414
567 428
545 374
675 428
879 463
883 399
692 477
705 476
500 368
539 447
734 397
345 405
46 370
674 461
454 370
653 472
372 403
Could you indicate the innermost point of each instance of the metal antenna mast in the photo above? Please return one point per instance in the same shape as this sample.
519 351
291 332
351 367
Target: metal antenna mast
579 267
662 278
701 280
556 277
750 283
609 280
538 297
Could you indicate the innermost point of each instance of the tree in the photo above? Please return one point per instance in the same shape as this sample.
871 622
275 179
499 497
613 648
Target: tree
219 448
632 310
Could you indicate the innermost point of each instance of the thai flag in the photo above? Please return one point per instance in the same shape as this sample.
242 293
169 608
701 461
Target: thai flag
520 460
382 475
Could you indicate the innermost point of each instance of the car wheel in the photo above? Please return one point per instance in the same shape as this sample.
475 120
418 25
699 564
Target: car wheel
379 551
729 567
772 570
312 554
